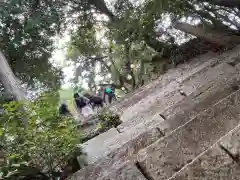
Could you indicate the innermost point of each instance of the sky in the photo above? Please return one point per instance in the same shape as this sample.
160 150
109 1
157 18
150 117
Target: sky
59 59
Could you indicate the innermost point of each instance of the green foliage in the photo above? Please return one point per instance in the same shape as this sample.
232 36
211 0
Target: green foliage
123 45
45 145
108 120
82 50
26 31
139 30
84 39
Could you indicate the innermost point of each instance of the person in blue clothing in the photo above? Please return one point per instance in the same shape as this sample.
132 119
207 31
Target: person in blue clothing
110 92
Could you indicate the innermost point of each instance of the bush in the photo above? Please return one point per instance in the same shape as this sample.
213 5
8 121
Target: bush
108 120
41 148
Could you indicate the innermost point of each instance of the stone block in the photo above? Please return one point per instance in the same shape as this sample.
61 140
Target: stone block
168 155
126 171
210 75
198 101
145 138
215 163
170 95
128 143
96 146
118 151
203 67
149 101
185 70
197 61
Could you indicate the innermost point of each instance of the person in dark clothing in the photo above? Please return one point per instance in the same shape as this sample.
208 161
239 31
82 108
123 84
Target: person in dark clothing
94 101
80 101
63 110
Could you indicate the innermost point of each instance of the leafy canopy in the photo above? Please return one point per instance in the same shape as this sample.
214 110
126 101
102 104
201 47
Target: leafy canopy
26 31
45 145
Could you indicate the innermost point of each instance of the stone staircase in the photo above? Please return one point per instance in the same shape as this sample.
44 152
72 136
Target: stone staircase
185 125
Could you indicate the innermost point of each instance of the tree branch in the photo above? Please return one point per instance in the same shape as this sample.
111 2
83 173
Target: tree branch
100 6
226 3
214 37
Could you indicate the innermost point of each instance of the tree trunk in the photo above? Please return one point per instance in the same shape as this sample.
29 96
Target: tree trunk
141 73
214 37
128 67
9 81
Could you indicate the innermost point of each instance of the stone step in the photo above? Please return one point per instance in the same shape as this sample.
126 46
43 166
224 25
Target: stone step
126 171
93 147
170 95
126 145
191 106
93 171
215 163
206 97
115 155
180 113
166 78
183 73
168 155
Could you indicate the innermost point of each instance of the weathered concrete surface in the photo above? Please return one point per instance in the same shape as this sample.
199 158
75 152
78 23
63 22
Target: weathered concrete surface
196 65
128 149
120 153
166 96
164 79
167 156
94 147
198 101
180 113
129 143
166 85
182 73
125 146
124 171
170 95
127 171
176 115
192 105
215 163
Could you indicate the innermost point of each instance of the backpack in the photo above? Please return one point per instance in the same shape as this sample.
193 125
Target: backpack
109 90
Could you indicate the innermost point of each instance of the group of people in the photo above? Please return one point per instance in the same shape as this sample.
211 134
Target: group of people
87 101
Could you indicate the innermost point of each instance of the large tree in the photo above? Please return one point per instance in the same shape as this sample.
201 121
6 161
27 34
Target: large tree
26 31
7 78
153 24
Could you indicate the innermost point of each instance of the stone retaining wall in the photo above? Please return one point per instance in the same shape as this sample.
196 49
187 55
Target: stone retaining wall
165 131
